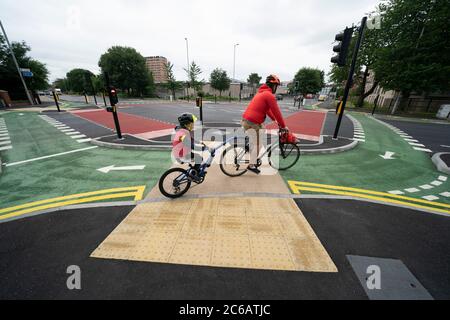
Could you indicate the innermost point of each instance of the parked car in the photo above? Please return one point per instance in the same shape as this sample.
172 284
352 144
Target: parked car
323 97
279 97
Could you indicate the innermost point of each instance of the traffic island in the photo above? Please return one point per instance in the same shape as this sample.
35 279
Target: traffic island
325 145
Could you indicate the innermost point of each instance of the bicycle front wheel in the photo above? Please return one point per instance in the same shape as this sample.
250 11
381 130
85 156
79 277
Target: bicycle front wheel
234 161
284 156
174 183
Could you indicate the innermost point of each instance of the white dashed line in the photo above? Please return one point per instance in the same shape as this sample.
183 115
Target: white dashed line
436 183
430 198
422 149
78 137
397 192
416 144
426 187
442 178
412 190
445 194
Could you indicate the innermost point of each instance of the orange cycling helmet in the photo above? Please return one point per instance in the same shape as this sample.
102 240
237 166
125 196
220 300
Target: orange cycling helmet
273 79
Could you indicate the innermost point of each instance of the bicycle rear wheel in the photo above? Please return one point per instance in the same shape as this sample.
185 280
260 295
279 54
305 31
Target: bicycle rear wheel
284 156
234 161
174 183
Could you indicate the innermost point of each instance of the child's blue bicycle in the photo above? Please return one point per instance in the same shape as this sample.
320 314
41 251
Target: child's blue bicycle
282 155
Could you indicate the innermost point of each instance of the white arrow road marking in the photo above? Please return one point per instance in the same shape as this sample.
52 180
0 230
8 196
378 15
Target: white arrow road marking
388 155
114 168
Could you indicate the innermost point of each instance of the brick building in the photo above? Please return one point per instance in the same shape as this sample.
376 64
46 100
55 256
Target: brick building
157 65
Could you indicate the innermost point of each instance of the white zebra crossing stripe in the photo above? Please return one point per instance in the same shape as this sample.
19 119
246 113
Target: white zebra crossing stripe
5 148
78 137
436 183
442 178
84 140
422 149
445 194
72 133
4 138
4 143
426 187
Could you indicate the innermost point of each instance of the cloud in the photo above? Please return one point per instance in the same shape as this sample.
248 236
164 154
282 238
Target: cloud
274 36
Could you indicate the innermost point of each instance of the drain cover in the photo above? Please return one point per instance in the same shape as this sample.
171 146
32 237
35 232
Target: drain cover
387 279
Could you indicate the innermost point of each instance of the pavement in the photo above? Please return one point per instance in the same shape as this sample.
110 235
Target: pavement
34 265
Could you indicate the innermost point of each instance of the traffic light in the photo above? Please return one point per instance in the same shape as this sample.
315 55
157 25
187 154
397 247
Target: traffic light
341 48
113 96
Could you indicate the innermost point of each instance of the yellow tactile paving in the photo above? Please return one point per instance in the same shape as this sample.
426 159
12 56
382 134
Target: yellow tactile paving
255 233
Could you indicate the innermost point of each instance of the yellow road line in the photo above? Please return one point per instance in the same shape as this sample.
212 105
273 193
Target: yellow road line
67 203
137 190
295 184
139 193
365 196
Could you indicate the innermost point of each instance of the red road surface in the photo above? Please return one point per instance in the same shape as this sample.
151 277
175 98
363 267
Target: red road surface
128 123
308 123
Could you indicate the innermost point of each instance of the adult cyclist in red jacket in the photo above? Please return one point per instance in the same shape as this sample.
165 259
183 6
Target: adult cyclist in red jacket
263 104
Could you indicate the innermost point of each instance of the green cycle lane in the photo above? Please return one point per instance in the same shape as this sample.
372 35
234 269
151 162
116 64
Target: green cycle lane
72 173
364 168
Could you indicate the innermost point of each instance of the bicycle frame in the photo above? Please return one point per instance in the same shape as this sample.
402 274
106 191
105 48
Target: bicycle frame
206 164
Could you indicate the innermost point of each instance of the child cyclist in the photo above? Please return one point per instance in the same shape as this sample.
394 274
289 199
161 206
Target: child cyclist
184 144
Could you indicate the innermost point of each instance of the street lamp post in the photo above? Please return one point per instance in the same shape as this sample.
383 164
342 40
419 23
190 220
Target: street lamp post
234 61
17 65
188 68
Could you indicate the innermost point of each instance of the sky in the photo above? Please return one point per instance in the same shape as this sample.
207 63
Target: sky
277 36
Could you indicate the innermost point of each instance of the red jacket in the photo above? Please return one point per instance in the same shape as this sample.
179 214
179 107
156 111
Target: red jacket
264 104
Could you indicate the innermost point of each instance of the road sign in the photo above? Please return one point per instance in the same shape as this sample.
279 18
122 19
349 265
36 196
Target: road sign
27 74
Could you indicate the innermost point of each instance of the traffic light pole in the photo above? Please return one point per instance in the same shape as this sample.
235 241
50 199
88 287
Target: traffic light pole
350 76
113 107
56 101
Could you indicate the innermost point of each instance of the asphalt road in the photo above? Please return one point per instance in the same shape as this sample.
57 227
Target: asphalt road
434 136
36 252
223 113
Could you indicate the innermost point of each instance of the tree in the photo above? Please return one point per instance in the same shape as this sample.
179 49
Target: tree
127 70
310 80
172 84
193 75
78 80
219 80
412 54
9 78
254 80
